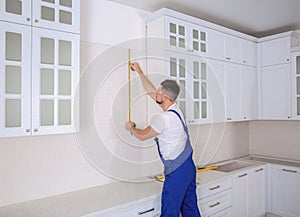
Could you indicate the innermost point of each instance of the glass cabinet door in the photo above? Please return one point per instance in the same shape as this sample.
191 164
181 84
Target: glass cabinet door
295 78
60 15
54 81
18 11
14 80
176 70
198 39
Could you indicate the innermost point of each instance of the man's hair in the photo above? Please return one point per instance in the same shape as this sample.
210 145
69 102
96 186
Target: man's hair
171 88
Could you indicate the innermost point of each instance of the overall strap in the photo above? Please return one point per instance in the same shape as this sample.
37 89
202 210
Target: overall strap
183 124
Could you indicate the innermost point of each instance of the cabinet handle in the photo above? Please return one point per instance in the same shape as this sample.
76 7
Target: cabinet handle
290 171
261 169
28 18
36 20
27 130
228 119
36 129
289 117
213 205
287 59
144 212
245 118
214 188
240 176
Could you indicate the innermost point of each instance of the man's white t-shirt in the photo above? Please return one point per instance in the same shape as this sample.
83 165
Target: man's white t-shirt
172 137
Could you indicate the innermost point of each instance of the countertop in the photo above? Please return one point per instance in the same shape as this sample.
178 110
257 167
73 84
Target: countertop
112 196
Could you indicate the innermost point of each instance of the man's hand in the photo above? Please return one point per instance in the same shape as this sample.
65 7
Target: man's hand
136 67
130 125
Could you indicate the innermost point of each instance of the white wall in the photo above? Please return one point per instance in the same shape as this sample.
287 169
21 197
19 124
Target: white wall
275 139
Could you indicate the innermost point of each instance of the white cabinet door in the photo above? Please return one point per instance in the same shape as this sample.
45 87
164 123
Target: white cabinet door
223 213
257 191
63 15
276 92
248 93
15 79
197 40
240 194
249 53
285 191
276 51
16 11
233 89
232 49
54 83
295 79
215 44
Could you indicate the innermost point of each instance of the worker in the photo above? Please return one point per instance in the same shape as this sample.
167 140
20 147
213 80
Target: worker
173 143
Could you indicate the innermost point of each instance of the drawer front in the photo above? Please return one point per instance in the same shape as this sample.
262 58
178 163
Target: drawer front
215 203
147 209
223 213
213 188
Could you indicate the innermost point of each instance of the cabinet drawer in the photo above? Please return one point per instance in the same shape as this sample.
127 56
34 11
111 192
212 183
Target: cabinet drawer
215 203
223 213
213 188
147 209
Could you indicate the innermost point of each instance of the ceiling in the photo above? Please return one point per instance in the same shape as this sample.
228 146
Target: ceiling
254 17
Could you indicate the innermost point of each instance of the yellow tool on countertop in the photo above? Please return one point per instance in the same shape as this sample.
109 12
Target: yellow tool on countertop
200 169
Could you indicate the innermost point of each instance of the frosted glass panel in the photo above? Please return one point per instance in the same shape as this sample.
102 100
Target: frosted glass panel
203 90
65 53
172 28
182 89
298 106
204 110
196 90
181 68
173 68
195 45
47 112
195 34
298 85
181 42
47 13
13 6
181 30
13 46
64 108
47 50
182 107
203 36
196 70
196 110
13 113
65 82
67 3
298 65
172 40
47 82
65 17
203 47
50 1
203 71
13 80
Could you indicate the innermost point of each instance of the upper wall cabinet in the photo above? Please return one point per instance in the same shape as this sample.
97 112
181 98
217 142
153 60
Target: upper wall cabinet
62 15
276 51
295 79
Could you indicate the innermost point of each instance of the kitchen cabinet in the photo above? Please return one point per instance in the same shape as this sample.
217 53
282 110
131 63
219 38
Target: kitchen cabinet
240 194
185 37
257 191
39 68
15 80
62 15
285 191
150 208
295 83
276 92
276 51
191 74
215 197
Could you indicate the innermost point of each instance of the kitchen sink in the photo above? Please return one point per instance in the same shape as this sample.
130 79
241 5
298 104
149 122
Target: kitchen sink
232 166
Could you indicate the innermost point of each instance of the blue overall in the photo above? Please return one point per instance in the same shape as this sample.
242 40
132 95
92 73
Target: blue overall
179 190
